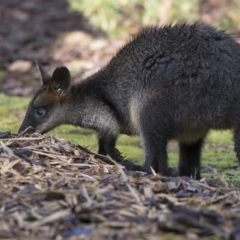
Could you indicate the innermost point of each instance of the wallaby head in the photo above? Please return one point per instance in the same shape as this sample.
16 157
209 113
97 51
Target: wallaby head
46 109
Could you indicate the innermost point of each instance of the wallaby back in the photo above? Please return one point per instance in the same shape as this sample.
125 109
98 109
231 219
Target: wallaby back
175 82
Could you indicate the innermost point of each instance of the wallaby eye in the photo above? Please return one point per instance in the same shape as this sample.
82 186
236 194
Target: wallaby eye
40 112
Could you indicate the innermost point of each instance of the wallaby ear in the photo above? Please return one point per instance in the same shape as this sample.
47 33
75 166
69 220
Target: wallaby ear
45 76
61 80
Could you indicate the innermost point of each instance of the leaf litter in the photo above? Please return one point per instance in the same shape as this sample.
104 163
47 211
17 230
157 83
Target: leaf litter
52 189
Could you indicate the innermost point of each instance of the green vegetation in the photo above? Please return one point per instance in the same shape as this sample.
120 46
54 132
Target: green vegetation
120 16
218 152
12 110
2 75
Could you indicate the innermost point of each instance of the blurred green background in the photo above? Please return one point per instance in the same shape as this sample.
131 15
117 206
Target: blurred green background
114 17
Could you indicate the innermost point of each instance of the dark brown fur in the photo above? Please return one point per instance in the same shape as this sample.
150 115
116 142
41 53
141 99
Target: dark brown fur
167 83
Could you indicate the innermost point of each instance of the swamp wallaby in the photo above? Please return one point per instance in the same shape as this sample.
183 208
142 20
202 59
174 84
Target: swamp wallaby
174 82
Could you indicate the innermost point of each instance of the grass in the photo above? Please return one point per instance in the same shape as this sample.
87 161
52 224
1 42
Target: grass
218 152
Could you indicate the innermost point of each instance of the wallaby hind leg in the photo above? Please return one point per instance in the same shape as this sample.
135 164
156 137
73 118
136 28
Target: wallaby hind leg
190 159
155 155
154 135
